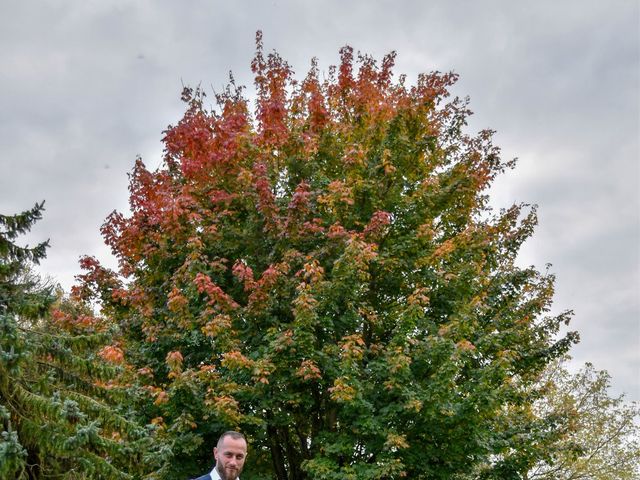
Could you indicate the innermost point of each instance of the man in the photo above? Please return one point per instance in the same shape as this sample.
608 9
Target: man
230 454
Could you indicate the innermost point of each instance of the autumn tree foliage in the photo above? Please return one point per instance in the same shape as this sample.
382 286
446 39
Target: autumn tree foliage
324 273
58 416
601 433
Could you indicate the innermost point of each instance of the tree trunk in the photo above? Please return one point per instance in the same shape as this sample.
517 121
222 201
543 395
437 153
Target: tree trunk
277 456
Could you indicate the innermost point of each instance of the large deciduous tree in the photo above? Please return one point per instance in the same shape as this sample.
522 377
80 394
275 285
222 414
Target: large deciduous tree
326 275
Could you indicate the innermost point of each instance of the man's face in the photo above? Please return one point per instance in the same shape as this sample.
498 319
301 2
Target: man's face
230 457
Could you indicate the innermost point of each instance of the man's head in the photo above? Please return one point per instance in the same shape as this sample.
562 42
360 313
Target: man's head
230 454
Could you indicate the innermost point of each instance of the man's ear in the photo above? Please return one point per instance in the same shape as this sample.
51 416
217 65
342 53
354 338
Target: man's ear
215 453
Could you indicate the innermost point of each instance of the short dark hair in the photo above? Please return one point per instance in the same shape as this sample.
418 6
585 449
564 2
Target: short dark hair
232 434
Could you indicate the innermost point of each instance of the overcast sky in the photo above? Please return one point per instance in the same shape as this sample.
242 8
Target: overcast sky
86 86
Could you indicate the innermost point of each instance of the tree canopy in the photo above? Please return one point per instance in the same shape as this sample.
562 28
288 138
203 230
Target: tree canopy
325 274
601 439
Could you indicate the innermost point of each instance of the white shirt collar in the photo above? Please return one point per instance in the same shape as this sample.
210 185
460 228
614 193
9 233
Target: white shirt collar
214 474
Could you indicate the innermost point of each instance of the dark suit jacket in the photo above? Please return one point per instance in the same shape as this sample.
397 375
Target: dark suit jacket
204 477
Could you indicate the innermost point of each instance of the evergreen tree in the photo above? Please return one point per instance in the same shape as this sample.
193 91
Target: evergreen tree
18 294
55 416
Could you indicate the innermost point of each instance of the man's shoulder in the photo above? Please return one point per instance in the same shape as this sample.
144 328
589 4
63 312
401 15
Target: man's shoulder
204 477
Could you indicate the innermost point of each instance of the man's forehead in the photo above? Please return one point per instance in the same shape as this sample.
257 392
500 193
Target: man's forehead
229 443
